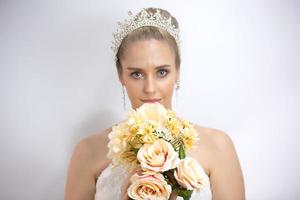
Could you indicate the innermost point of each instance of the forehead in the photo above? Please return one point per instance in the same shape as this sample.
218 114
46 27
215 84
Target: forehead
148 53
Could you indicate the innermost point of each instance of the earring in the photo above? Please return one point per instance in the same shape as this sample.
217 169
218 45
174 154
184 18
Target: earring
176 90
124 100
177 85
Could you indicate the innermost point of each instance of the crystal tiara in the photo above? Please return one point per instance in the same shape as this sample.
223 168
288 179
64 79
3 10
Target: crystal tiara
144 19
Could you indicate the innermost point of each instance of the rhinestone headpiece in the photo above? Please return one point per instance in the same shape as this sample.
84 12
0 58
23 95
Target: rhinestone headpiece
144 19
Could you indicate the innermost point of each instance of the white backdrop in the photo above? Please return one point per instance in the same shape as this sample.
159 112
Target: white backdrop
240 74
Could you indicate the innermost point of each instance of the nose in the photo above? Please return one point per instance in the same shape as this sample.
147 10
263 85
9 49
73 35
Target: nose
149 86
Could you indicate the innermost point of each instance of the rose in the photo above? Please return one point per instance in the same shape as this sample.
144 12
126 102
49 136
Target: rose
116 144
153 113
158 157
149 186
191 175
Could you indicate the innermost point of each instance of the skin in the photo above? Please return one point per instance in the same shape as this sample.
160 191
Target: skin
150 73
151 78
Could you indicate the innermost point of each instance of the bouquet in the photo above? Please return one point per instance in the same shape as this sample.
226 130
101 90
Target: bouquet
155 140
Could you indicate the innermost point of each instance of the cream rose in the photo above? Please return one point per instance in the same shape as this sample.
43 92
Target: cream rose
191 175
158 157
155 113
149 186
117 145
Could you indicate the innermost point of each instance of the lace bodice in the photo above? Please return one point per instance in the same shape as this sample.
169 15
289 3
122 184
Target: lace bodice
108 186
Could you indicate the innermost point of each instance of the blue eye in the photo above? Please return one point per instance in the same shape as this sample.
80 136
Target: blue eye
136 75
162 72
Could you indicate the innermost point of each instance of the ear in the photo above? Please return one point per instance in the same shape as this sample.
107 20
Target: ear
177 74
121 78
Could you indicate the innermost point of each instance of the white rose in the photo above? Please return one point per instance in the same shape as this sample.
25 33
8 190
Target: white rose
153 112
191 175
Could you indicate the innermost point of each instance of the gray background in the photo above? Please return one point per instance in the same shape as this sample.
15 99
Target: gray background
240 74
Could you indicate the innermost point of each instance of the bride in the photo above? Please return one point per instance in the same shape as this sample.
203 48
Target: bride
148 64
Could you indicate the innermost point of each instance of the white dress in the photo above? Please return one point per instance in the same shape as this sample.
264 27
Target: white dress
108 186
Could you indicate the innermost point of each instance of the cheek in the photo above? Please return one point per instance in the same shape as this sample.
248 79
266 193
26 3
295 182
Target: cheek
167 86
133 89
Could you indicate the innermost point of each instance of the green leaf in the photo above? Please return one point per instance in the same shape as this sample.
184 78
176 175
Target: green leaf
181 152
135 150
185 194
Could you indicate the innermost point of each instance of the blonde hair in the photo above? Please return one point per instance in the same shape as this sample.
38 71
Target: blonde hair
150 32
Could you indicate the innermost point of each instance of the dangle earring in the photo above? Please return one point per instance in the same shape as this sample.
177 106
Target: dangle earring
124 99
177 88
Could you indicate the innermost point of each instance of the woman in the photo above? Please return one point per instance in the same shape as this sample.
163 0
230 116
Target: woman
148 65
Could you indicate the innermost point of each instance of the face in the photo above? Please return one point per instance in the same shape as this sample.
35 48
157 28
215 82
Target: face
149 72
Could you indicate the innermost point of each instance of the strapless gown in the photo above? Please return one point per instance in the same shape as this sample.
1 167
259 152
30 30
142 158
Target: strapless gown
109 183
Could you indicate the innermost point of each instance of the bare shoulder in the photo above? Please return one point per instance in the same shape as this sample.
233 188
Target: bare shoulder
219 157
215 146
94 149
87 162
213 138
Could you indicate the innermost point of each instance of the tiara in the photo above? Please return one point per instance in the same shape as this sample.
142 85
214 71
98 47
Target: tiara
143 19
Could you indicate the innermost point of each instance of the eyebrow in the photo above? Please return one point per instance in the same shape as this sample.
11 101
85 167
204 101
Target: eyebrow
158 67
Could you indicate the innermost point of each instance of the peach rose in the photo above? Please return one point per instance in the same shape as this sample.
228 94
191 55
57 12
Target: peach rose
191 175
149 186
158 157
